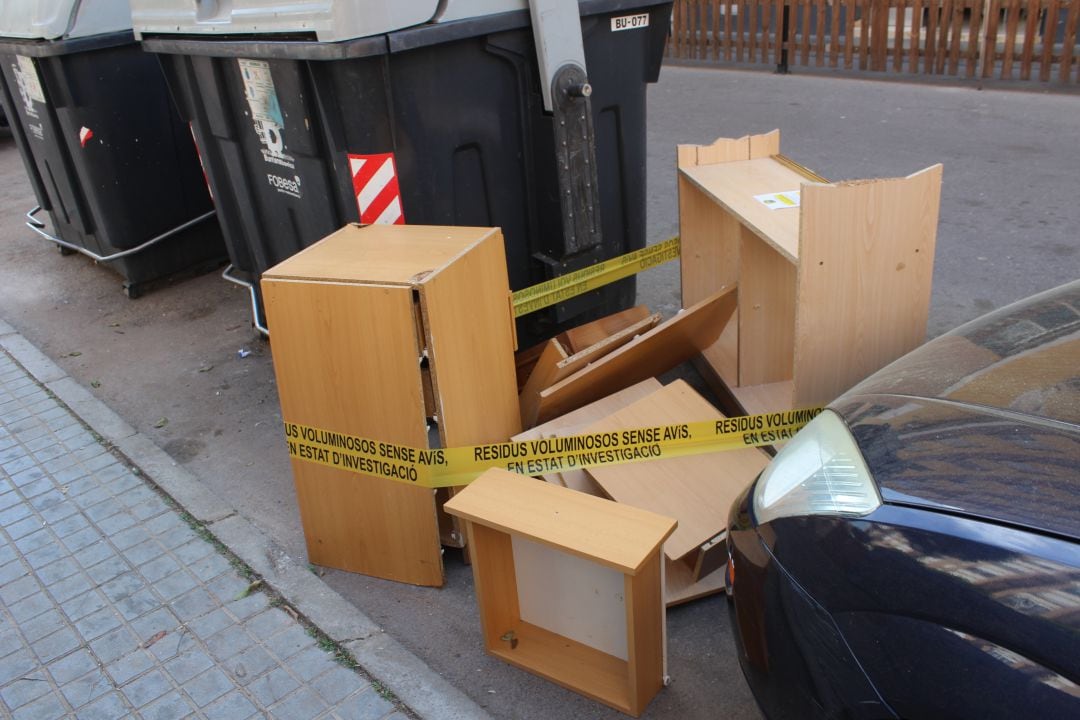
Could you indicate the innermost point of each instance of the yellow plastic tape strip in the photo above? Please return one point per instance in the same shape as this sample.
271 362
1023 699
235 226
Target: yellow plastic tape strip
564 287
447 467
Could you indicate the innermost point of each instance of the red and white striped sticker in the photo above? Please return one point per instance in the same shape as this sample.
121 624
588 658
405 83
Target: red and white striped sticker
375 183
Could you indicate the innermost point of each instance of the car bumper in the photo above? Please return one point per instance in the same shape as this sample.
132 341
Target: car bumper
794 657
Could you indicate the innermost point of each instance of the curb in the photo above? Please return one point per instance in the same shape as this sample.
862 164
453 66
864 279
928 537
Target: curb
381 656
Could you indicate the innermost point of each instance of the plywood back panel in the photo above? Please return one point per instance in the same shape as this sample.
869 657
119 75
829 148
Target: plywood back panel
648 355
583 336
571 596
866 267
545 373
697 490
766 313
471 345
764 145
351 521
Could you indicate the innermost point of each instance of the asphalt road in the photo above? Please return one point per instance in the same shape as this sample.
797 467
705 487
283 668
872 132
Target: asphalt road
168 362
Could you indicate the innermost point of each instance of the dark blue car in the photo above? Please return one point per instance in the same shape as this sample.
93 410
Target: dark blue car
914 552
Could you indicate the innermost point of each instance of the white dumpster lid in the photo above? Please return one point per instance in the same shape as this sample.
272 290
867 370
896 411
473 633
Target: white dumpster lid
62 19
329 20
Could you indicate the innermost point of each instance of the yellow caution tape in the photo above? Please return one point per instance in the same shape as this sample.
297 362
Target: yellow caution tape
447 467
564 287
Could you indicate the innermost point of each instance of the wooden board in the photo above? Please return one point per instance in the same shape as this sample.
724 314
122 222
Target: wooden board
611 534
733 186
766 313
381 254
546 374
680 586
864 280
648 355
355 522
771 397
697 490
583 336
470 338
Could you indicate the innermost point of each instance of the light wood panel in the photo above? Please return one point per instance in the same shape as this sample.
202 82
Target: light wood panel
385 254
551 368
680 587
766 313
864 281
697 490
583 336
545 373
611 534
621 666
648 355
471 346
355 522
733 185
828 292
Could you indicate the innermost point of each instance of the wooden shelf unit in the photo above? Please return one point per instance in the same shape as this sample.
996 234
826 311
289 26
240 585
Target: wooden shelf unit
569 585
828 292
366 324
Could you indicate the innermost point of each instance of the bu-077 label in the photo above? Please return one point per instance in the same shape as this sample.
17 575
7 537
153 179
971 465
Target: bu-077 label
630 22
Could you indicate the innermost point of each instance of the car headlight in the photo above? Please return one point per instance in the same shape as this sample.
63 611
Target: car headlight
819 472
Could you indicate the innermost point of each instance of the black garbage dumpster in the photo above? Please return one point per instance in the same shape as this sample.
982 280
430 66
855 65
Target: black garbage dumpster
108 156
442 122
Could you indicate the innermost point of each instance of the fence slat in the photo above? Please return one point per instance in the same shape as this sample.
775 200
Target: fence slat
1049 25
974 35
849 33
1033 7
1012 23
930 58
898 36
956 28
989 51
834 34
780 43
1065 71
916 36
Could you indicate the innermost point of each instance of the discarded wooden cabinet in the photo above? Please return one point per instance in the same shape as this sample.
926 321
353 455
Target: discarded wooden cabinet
828 291
365 323
569 585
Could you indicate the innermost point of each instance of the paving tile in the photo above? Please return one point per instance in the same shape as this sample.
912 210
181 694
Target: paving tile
42 625
247 606
232 706
309 664
45 555
228 642
72 666
94 553
56 571
47 707
16 664
337 683
158 568
210 623
187 665
108 574
115 524
301 705
110 706
15 513
27 524
175 585
55 645
137 603
116 644
142 552
193 551
208 686
172 706
33 541
16 590
249 664
272 687
81 539
146 689
30 607
12 571
129 666
86 689
368 705
289 641
268 622
25 690
83 604
194 604
154 622
98 623
68 526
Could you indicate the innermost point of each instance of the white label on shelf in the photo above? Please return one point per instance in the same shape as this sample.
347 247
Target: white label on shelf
630 22
780 200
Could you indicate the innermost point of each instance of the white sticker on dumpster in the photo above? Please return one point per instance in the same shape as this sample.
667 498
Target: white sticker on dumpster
266 116
26 77
630 22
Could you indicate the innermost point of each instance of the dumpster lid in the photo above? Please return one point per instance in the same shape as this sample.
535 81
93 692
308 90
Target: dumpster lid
62 19
321 20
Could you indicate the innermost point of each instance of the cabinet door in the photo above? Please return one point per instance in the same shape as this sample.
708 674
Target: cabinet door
346 360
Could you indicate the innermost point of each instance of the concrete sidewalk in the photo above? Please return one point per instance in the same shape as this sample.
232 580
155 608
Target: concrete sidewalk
115 602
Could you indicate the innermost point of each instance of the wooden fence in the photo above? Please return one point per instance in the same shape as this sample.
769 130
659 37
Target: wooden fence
1003 39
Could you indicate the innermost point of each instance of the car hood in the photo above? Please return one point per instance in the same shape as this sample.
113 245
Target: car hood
983 421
